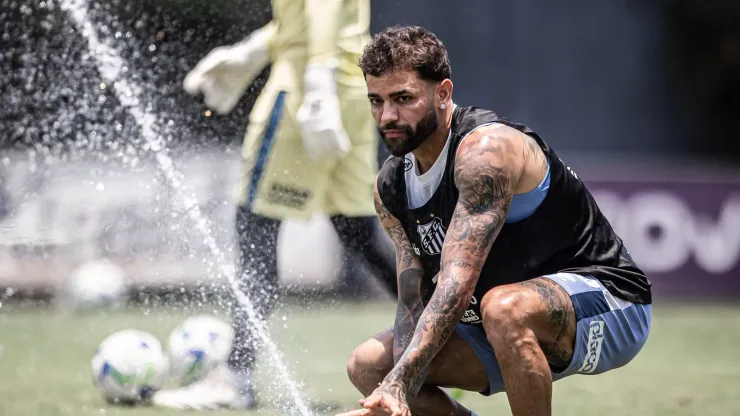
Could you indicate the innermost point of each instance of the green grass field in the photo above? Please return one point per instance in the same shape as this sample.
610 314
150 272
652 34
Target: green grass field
690 365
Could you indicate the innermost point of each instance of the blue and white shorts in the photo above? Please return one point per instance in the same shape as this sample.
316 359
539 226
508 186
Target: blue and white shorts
609 331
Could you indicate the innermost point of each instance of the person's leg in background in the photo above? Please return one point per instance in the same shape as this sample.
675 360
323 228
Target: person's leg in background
269 170
266 152
279 183
359 235
257 276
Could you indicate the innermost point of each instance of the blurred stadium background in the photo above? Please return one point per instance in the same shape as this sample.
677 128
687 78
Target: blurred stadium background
642 98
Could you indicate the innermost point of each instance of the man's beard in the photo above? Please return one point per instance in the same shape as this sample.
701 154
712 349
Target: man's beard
414 137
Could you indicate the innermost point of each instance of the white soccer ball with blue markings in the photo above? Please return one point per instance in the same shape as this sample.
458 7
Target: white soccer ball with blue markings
95 284
198 346
129 366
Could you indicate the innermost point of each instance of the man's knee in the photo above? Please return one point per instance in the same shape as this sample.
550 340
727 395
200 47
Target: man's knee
505 312
370 363
536 313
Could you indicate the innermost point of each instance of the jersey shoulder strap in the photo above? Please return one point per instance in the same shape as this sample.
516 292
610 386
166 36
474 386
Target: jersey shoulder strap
392 184
467 119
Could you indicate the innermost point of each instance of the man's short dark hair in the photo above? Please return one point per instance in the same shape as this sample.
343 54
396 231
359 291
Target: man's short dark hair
406 48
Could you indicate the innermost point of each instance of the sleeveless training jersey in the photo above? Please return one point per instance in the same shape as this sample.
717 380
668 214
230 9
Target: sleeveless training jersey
566 233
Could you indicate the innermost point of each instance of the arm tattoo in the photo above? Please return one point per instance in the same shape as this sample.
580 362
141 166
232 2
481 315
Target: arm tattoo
404 252
485 187
410 273
533 151
409 310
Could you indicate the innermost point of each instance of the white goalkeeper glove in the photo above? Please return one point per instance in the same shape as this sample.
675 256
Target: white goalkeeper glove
320 116
226 72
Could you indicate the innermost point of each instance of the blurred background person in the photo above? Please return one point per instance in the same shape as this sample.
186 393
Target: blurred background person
311 145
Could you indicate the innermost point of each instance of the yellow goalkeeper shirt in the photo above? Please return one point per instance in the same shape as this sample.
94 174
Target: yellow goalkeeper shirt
304 31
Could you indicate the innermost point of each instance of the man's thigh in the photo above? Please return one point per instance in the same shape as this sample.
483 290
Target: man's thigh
456 365
609 331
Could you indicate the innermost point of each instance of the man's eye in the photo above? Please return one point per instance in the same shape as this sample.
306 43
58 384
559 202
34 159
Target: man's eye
376 101
403 98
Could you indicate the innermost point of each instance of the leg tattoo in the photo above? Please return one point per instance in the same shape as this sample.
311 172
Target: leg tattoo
561 318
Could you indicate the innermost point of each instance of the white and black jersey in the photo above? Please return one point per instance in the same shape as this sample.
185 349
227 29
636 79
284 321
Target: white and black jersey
561 231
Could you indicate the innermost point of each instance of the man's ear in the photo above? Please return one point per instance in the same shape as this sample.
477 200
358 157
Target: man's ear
444 93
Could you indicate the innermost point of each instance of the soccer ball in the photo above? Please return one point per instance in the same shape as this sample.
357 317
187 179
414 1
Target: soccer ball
95 284
129 366
197 346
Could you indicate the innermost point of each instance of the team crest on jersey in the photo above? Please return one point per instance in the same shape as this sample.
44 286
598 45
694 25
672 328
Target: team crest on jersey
432 235
407 164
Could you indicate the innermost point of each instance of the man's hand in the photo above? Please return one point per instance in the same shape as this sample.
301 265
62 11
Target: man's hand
386 400
226 72
320 116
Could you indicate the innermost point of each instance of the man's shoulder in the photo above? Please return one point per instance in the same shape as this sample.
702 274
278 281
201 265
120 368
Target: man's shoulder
469 120
391 175
465 120
393 164
391 184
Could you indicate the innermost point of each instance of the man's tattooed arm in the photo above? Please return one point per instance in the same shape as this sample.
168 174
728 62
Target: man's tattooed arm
410 272
487 168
